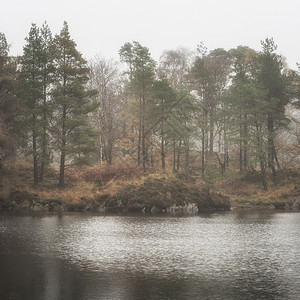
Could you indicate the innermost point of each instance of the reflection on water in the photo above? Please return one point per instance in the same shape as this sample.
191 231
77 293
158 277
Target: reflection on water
236 255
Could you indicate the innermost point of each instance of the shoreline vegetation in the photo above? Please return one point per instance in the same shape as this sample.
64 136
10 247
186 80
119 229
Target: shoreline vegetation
126 188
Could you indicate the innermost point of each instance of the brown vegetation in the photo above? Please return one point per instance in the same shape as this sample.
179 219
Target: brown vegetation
245 189
126 185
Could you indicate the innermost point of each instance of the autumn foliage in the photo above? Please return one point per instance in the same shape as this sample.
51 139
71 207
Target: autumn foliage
102 175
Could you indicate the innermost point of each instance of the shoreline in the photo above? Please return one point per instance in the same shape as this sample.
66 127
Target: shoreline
33 204
154 194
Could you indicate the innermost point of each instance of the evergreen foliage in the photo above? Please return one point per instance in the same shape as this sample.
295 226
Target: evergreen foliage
31 93
72 133
8 102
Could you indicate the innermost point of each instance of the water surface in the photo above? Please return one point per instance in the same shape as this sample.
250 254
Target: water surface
234 255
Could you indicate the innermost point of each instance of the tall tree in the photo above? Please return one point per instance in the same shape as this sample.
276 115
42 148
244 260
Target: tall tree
272 79
164 98
47 77
8 101
73 135
239 99
141 75
31 92
210 77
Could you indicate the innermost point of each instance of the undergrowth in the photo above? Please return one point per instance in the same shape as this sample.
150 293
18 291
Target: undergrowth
92 182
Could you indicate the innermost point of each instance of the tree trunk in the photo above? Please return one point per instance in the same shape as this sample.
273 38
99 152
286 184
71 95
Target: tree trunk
100 151
203 152
163 154
221 163
241 148
241 157
245 145
143 134
226 151
276 157
211 135
174 155
187 156
44 140
261 158
271 146
263 175
140 133
206 135
109 150
34 150
62 169
63 149
178 156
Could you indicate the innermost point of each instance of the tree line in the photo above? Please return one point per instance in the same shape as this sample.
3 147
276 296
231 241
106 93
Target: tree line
223 105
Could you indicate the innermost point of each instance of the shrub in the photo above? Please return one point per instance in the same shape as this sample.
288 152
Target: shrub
102 175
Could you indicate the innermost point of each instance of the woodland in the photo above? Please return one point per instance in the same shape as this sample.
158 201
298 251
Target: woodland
73 129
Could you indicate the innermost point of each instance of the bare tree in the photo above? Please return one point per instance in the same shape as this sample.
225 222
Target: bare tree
105 77
174 65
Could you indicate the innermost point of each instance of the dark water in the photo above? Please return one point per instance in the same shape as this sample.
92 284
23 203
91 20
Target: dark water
236 255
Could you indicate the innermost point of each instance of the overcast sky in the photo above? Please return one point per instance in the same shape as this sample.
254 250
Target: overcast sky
103 26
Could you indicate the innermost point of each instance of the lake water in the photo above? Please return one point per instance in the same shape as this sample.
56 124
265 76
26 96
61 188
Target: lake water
233 255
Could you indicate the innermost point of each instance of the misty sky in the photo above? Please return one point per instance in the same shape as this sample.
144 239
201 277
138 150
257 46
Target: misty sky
102 27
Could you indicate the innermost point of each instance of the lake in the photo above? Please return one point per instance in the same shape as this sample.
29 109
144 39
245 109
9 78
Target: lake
231 255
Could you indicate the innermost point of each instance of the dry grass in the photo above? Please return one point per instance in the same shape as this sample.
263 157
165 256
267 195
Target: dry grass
87 182
114 185
71 195
250 184
236 186
80 183
92 182
247 190
103 175
277 192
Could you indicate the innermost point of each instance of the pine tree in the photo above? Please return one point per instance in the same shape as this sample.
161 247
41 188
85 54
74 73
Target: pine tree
8 102
31 92
273 81
47 77
73 135
238 100
164 98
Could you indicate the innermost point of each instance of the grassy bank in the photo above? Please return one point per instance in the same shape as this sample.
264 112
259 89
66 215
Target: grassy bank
245 189
102 186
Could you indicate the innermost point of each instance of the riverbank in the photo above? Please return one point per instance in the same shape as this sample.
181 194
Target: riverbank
245 191
153 195
128 189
